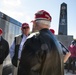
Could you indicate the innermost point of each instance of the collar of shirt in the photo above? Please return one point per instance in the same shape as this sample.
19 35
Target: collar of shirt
25 35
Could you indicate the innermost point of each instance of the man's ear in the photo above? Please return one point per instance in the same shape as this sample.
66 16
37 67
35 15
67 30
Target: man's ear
21 28
34 26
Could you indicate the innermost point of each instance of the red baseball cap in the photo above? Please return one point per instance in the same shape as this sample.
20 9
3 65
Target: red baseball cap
52 30
24 25
1 31
43 15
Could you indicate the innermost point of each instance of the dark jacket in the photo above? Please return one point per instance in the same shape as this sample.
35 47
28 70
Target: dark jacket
17 41
41 55
4 50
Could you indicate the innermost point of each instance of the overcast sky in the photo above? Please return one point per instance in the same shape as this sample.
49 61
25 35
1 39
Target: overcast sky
24 10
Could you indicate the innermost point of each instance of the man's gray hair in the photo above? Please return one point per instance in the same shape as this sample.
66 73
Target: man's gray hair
45 22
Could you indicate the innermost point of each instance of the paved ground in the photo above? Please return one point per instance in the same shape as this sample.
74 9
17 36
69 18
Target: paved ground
68 73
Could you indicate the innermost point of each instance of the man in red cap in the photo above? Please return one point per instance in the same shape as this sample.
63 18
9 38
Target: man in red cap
41 54
16 47
72 59
4 50
53 31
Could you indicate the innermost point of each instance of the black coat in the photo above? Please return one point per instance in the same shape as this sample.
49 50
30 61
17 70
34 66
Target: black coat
4 50
41 55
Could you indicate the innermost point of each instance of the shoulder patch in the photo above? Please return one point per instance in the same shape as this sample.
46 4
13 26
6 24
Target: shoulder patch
32 34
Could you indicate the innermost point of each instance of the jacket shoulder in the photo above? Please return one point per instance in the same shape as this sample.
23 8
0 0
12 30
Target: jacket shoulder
33 35
5 41
32 38
18 35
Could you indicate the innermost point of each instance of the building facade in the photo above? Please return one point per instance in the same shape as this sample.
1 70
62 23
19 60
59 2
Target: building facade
11 27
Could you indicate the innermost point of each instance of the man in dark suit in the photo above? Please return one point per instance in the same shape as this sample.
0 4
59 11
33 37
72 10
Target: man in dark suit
41 54
4 50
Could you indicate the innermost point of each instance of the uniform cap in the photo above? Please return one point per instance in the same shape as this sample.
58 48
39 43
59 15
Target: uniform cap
52 30
43 15
24 25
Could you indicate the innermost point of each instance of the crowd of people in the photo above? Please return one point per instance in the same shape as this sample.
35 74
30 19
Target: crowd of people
38 53
72 59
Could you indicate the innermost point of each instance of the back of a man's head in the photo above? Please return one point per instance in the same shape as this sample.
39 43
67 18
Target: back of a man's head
43 19
73 42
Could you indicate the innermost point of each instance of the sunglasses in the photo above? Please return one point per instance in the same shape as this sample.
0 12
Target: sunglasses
25 27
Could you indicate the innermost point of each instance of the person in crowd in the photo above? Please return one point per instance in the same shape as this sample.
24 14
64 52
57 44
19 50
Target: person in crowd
17 45
65 50
41 54
4 50
72 59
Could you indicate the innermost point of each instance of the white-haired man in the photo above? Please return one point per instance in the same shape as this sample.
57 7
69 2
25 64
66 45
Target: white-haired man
40 55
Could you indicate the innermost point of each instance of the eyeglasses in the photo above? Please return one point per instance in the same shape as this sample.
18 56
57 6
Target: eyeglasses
25 27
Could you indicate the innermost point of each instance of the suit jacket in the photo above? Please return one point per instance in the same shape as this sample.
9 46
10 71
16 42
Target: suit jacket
4 49
41 55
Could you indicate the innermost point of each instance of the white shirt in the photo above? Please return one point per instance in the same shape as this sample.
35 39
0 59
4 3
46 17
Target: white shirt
12 48
21 46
